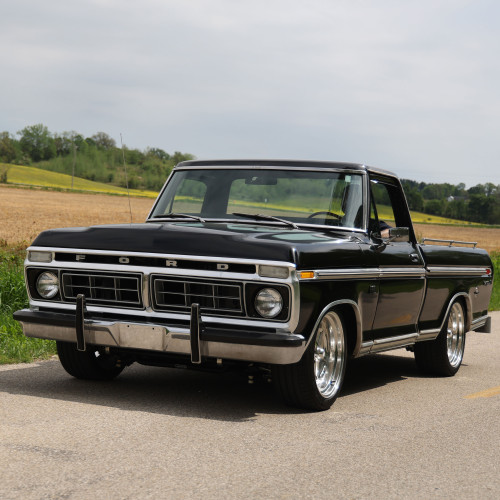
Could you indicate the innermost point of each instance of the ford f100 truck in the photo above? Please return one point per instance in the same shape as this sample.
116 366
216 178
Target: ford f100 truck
293 267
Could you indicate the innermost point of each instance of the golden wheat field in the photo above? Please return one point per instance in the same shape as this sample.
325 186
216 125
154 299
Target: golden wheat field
26 212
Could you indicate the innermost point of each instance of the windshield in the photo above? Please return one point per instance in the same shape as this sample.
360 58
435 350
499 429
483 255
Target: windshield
331 198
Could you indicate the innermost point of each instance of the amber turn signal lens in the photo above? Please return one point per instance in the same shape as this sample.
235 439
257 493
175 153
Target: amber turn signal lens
306 275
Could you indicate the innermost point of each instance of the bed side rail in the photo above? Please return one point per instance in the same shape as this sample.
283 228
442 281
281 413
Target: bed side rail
450 242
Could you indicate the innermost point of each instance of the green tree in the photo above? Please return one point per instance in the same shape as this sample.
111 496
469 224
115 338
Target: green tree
37 142
103 141
66 141
415 200
157 153
177 157
485 209
434 207
9 148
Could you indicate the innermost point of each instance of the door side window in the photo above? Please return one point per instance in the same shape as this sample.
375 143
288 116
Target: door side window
382 215
388 207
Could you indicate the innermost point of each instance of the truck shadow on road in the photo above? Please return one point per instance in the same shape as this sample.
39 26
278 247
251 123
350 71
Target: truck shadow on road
227 396
377 370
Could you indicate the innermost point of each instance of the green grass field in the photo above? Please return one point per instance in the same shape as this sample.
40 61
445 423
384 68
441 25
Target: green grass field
495 295
31 176
14 346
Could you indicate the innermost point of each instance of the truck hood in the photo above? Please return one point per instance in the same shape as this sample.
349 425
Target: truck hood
306 248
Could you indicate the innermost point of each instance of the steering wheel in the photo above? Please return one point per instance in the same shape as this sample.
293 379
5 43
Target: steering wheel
331 214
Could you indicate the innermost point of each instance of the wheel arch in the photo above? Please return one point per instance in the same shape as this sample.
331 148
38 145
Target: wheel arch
465 299
352 316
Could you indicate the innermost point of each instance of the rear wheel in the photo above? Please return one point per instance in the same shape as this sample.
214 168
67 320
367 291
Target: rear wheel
92 364
315 381
444 355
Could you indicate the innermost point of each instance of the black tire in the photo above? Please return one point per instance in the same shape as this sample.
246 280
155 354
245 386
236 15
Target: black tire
443 356
316 380
92 364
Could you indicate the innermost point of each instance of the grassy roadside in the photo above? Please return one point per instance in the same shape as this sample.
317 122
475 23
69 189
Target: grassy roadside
495 296
14 346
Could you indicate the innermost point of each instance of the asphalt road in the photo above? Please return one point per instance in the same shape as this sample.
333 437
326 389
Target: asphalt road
164 433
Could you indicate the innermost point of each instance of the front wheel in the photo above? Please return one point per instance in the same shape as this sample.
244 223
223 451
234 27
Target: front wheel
91 364
443 356
315 381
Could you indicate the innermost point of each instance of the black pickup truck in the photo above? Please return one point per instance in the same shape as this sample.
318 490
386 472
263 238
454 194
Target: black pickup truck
291 267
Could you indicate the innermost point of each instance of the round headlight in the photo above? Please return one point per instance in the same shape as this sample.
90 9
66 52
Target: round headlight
268 303
47 285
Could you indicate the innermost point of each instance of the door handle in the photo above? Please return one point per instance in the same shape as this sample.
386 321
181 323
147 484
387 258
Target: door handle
414 257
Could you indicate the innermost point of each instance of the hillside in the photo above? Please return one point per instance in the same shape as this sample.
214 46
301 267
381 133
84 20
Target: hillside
31 176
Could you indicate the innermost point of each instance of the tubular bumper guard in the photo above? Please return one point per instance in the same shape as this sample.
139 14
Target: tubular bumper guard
198 340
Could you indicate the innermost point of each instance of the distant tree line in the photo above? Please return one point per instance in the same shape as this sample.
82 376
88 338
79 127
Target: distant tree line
96 158
480 203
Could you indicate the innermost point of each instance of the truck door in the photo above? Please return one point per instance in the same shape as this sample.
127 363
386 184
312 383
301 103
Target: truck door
400 265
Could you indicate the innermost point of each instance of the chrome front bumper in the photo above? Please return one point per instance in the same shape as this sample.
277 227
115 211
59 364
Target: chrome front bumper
274 348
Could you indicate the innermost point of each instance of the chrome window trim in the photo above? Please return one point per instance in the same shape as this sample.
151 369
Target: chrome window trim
273 167
362 172
248 222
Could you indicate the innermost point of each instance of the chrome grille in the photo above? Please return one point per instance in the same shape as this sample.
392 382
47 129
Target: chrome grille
103 289
175 294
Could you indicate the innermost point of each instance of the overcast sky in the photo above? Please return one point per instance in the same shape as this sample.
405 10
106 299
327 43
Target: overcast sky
409 86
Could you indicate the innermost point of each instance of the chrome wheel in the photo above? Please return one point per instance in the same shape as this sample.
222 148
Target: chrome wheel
329 355
455 335
443 355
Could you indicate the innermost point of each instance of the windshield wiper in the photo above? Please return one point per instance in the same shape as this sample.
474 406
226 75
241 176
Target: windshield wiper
173 215
267 217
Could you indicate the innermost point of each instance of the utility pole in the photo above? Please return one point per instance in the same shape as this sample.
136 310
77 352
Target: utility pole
74 163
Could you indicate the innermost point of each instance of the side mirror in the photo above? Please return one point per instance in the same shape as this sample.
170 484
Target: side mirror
399 234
